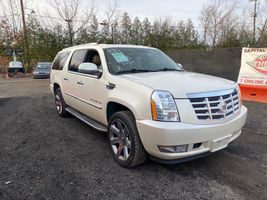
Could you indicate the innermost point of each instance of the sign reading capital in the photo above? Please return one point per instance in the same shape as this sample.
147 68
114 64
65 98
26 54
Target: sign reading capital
253 69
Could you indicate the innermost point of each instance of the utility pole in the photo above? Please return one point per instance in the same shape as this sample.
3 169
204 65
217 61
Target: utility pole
13 20
254 20
25 33
14 31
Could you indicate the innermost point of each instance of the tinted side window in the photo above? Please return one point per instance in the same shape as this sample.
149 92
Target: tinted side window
76 59
93 57
60 60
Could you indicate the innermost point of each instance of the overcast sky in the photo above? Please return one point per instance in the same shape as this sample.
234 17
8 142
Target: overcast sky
180 9
174 9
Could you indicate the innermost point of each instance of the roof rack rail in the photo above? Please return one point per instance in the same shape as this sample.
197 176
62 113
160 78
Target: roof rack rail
92 43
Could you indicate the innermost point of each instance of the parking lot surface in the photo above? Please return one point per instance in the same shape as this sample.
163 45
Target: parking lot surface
43 156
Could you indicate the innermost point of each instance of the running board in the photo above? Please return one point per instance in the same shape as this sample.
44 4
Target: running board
94 124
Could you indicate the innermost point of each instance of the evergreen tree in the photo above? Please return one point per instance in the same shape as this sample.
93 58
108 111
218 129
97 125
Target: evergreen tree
136 33
126 27
146 32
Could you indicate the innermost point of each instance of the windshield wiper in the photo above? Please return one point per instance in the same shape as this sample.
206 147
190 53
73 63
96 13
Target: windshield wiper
167 69
134 71
146 70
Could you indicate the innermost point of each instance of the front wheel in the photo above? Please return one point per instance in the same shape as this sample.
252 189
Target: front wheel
124 141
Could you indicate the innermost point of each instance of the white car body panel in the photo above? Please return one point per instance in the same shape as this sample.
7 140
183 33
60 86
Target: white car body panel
175 82
134 92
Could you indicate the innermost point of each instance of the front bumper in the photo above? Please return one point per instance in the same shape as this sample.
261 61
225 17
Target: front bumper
212 137
40 76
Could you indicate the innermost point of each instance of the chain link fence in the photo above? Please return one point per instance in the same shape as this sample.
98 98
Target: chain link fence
221 62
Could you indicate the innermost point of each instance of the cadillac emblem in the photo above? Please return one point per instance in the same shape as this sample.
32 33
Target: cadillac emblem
223 107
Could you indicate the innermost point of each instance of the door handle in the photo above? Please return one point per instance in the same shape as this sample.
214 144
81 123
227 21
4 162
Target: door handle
110 86
80 83
66 79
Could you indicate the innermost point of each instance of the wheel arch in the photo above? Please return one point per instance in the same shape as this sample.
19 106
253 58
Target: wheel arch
55 86
113 107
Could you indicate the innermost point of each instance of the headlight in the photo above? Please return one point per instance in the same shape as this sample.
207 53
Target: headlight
239 93
163 107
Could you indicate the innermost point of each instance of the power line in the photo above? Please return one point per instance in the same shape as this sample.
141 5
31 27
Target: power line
42 16
6 16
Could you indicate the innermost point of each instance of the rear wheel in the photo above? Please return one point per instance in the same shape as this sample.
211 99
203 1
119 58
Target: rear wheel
124 141
60 104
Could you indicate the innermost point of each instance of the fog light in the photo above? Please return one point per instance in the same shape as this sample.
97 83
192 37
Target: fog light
173 149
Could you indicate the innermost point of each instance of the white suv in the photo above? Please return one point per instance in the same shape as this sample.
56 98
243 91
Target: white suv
147 104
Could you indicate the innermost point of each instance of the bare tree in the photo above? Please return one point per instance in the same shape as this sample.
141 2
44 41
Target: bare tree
11 22
217 19
262 25
69 11
110 23
112 11
205 16
244 27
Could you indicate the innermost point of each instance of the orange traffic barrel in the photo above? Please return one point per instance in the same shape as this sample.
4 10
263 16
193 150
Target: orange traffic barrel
254 93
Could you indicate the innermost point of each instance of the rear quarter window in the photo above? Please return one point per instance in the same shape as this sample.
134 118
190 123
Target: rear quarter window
60 60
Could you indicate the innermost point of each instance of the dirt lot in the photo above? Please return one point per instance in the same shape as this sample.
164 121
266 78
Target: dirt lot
43 156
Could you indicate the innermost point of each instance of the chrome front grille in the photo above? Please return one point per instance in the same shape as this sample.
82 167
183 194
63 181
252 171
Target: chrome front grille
215 105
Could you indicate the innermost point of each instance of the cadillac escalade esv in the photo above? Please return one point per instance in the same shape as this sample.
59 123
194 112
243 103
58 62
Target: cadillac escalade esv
147 104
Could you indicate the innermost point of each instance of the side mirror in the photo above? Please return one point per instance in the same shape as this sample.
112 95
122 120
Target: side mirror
89 68
180 65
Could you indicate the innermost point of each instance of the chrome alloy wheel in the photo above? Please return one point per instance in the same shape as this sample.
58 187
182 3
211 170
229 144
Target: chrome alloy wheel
58 103
120 139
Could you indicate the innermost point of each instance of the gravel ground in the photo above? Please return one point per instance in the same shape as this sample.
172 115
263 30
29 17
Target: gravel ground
43 156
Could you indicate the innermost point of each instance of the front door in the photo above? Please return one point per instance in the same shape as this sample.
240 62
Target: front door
93 89
87 90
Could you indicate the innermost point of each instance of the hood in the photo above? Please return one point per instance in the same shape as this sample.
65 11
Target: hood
179 84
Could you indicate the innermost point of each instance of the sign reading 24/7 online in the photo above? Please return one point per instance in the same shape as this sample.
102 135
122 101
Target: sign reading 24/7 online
253 69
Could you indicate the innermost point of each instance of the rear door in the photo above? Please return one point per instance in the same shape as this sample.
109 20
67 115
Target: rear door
57 70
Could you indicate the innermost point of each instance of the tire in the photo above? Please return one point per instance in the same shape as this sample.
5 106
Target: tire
60 104
124 141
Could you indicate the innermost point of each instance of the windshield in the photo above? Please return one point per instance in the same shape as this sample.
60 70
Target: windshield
138 60
44 66
15 64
